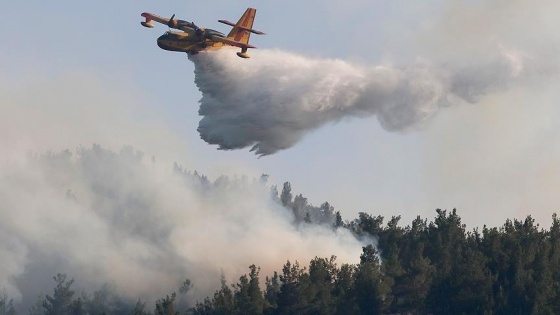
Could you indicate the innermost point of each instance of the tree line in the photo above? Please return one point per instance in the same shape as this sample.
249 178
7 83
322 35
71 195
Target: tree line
423 268
435 267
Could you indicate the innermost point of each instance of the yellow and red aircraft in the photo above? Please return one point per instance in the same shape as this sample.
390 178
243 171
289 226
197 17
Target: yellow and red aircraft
193 39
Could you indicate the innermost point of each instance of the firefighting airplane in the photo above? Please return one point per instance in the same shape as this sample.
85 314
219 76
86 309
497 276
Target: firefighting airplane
193 39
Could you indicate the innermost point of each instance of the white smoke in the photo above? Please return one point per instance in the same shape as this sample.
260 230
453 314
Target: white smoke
103 216
100 214
272 100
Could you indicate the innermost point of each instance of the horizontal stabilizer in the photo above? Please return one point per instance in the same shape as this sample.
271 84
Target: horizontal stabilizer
227 22
232 42
241 27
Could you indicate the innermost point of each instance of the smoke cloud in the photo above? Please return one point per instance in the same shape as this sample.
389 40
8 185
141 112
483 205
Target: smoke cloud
104 216
268 103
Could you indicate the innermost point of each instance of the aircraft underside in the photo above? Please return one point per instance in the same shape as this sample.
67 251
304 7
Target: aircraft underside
192 46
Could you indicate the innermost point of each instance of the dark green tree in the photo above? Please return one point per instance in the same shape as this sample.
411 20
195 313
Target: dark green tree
271 293
104 301
165 306
326 213
248 295
368 224
203 308
139 308
186 287
338 223
299 207
322 273
446 241
223 302
553 239
6 305
370 285
343 291
286 195
290 299
61 302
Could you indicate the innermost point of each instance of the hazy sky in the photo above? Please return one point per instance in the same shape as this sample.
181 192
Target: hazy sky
76 73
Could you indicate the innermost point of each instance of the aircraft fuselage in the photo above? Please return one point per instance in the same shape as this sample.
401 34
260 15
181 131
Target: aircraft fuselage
192 44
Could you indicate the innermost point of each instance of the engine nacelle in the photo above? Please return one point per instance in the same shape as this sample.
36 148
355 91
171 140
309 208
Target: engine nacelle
172 22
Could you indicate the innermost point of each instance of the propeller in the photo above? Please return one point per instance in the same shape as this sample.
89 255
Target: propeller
201 33
172 23
197 30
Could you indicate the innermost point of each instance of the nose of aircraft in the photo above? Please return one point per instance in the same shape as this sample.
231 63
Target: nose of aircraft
161 42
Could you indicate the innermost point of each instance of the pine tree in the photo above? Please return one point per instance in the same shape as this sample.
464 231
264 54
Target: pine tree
322 272
223 302
370 285
165 306
271 293
338 221
139 308
343 290
290 300
6 305
286 195
299 207
61 301
248 295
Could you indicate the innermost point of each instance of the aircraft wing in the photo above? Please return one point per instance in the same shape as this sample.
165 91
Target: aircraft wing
173 23
231 42
152 17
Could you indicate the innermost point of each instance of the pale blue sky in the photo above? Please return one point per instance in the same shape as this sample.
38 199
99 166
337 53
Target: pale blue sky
464 157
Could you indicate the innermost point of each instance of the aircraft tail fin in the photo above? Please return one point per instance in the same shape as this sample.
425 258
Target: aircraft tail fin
243 28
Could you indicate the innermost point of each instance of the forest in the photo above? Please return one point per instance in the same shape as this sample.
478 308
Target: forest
425 267
434 267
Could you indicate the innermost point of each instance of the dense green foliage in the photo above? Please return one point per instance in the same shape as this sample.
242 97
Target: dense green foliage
424 268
